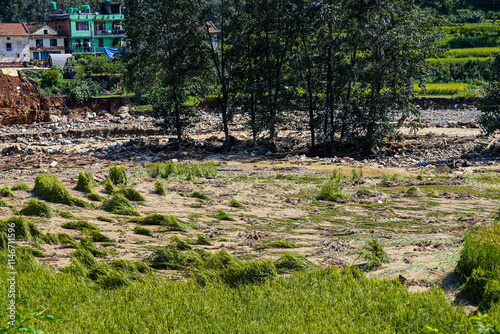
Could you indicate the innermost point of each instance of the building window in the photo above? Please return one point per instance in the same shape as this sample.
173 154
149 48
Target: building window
53 42
100 42
45 32
8 38
39 43
100 26
8 47
82 26
36 56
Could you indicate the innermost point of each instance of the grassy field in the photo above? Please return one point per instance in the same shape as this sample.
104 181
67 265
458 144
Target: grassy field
442 88
215 251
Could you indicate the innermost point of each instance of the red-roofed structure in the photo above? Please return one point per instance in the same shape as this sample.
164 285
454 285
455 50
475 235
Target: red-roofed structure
14 44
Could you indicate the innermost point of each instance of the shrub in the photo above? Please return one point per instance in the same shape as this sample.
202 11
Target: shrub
37 208
160 188
221 215
49 188
143 231
290 262
7 192
491 295
20 186
79 225
118 175
118 204
85 182
131 194
235 204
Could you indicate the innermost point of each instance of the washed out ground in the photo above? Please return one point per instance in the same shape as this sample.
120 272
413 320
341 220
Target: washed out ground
419 214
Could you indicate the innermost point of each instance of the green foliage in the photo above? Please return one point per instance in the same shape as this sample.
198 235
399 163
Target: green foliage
332 191
109 186
131 194
85 182
20 186
51 77
442 89
290 262
23 229
81 90
120 205
143 231
202 240
221 215
37 208
118 175
97 236
95 196
491 295
196 194
67 240
235 204
278 243
7 192
20 321
480 250
79 225
374 254
476 283
67 215
50 238
105 219
172 223
49 188
172 170
160 188
179 244
413 191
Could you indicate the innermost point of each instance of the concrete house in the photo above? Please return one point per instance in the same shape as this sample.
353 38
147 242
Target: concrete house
44 41
14 44
90 30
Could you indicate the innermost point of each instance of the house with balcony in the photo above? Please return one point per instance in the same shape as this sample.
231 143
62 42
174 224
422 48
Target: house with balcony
88 30
43 41
14 44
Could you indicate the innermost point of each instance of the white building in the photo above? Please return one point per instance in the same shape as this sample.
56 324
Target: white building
14 44
43 41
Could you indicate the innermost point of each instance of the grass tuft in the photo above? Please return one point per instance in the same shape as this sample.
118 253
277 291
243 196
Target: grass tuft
49 188
118 175
332 191
120 205
79 225
235 204
7 192
105 219
221 215
290 262
37 208
160 188
374 254
143 231
20 186
172 170
202 240
86 182
172 223
131 194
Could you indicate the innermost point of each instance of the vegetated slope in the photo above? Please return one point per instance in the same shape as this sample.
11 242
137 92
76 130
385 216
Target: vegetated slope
19 100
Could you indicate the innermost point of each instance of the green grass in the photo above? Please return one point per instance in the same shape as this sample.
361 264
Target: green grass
471 28
189 171
37 208
119 205
196 194
332 191
118 175
235 204
160 188
143 231
470 52
49 188
85 182
7 192
131 194
79 225
105 219
449 61
20 186
442 88
172 223
221 215
328 301
278 243
290 262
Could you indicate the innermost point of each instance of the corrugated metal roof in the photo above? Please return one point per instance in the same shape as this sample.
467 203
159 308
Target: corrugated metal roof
13 29
58 60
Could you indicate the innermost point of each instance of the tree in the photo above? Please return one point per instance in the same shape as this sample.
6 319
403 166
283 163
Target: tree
168 55
490 104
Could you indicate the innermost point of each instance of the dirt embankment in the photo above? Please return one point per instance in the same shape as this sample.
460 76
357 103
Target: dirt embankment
20 102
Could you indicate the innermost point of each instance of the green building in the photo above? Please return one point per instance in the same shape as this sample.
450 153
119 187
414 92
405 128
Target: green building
88 30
